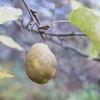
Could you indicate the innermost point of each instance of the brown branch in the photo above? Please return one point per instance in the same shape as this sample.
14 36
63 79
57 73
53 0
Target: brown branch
67 34
28 9
70 48
35 20
62 35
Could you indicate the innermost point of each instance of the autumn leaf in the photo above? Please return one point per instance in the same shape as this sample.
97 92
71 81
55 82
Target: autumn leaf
75 4
8 13
8 41
4 74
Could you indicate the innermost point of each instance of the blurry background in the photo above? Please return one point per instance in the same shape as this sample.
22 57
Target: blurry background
77 77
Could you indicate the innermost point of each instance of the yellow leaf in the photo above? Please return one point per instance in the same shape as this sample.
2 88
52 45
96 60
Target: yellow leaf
8 13
10 42
4 74
75 4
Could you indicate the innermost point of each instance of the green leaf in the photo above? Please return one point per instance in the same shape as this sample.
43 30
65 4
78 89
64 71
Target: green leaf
93 52
10 42
4 74
88 21
8 13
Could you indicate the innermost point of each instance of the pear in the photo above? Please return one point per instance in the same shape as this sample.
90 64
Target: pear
40 63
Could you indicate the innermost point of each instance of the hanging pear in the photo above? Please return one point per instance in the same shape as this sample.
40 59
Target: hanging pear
40 63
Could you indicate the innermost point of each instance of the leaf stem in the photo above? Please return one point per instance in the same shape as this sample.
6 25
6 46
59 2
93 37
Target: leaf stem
58 21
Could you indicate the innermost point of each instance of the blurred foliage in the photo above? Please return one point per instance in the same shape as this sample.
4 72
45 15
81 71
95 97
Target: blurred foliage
12 14
93 53
21 88
4 74
89 94
8 13
13 89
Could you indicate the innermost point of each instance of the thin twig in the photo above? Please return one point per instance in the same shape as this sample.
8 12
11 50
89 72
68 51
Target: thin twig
28 8
36 17
74 49
35 20
67 34
71 48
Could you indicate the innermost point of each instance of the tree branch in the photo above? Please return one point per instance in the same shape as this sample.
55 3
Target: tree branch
70 48
74 49
28 9
34 20
67 34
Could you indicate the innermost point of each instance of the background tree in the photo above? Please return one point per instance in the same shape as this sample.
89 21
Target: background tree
70 46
